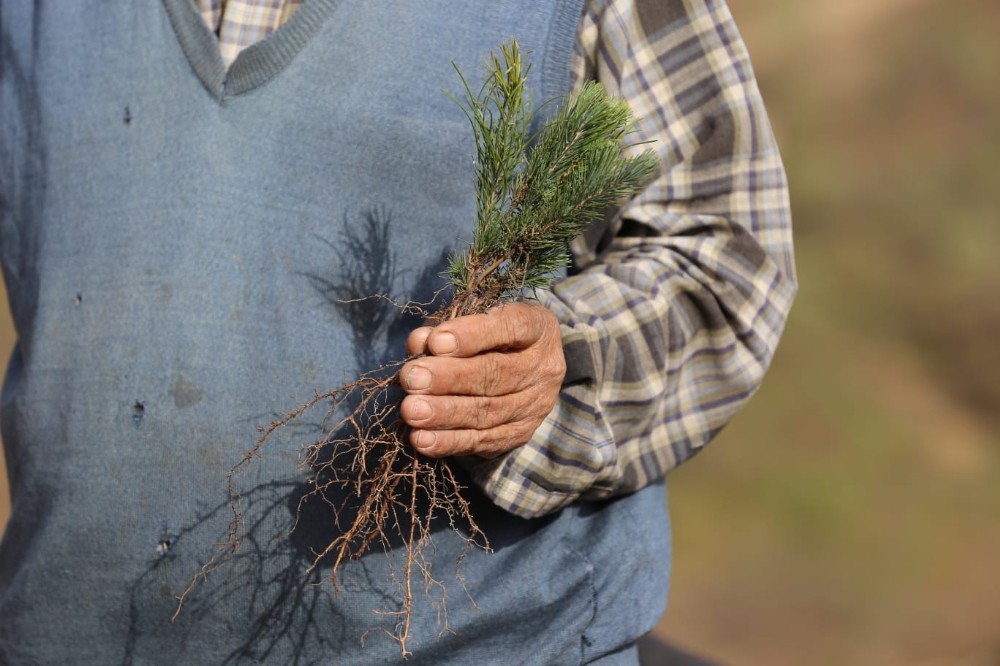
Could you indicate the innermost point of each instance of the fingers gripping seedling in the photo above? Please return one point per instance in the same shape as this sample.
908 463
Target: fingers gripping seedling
534 194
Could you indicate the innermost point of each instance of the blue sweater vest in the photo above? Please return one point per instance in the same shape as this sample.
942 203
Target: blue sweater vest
178 244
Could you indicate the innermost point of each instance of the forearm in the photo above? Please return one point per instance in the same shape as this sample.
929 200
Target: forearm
673 316
662 349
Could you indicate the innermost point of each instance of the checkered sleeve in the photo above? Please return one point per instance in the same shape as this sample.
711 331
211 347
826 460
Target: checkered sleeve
676 303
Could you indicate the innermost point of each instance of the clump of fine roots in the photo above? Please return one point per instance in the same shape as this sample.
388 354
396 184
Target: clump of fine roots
534 195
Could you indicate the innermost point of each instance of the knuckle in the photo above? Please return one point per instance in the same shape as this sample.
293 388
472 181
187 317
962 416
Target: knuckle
524 318
485 408
554 366
516 323
464 442
492 374
494 445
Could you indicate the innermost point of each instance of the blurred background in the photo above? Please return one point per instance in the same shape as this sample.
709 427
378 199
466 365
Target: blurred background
851 514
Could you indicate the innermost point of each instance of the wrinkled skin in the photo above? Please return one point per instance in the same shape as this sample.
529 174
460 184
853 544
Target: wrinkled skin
485 382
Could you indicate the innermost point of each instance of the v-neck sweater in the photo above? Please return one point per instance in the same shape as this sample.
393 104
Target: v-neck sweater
169 243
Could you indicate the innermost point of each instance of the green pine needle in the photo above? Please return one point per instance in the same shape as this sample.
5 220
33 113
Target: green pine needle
535 194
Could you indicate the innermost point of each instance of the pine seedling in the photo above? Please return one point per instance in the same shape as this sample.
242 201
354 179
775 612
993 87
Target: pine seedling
534 194
534 197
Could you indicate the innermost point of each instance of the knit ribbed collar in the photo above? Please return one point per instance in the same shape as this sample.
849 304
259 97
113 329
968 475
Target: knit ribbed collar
257 63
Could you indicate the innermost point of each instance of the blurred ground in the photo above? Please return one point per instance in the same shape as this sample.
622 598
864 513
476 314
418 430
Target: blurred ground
851 515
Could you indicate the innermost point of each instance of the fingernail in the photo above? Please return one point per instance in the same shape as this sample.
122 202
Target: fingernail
442 343
424 439
420 410
418 378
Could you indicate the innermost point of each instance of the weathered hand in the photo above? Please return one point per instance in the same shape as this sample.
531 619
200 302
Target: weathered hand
486 381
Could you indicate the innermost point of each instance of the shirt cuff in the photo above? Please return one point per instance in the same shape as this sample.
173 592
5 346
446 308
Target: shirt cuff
571 454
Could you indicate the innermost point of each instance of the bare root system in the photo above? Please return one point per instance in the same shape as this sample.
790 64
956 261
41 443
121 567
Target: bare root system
377 488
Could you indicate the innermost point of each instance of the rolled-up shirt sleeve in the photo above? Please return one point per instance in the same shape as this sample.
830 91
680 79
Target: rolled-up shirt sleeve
675 304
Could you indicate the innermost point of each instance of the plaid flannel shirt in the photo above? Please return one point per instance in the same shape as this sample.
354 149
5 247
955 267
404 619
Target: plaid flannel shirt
674 307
